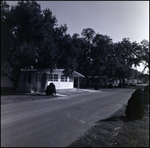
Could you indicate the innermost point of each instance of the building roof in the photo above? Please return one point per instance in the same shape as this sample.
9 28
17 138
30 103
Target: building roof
76 74
43 70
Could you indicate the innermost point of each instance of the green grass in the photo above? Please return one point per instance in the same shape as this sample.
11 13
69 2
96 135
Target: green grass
117 131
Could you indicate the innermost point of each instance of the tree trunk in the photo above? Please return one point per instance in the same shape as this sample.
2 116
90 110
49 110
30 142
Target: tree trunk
15 82
120 84
87 82
123 81
15 86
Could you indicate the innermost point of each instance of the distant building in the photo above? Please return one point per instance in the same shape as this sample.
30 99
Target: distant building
102 81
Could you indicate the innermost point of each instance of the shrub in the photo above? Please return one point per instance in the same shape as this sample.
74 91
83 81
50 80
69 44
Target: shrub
146 91
136 105
50 89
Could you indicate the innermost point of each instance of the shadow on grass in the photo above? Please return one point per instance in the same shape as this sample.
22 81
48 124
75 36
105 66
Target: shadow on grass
115 118
22 94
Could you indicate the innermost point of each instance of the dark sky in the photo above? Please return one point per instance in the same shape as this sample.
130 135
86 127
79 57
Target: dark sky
117 19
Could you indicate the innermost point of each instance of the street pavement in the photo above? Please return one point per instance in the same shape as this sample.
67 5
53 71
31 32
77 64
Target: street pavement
59 121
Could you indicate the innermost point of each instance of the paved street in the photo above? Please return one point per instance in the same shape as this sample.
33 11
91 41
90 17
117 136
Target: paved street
60 121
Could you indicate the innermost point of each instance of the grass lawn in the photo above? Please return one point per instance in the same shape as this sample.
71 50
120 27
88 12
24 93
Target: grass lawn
117 131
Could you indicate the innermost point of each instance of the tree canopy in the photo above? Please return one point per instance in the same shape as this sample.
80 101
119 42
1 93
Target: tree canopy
30 37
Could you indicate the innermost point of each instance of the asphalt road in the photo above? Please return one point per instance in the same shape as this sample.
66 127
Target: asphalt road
60 121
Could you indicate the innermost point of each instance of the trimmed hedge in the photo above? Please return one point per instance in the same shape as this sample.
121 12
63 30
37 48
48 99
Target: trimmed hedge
50 89
96 86
136 105
146 91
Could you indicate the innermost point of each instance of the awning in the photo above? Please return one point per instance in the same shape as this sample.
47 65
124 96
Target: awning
78 75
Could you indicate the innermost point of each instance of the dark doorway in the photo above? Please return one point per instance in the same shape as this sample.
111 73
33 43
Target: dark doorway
44 78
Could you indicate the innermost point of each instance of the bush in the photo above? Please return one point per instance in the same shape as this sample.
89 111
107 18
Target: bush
96 86
50 89
136 105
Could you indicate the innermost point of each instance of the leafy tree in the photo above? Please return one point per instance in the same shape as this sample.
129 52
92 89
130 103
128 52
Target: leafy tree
126 56
21 36
5 26
145 54
101 54
136 54
120 69
71 55
47 46
31 37
67 57
88 35
28 33
85 59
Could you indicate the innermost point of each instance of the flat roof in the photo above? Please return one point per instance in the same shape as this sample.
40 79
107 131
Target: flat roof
28 69
77 74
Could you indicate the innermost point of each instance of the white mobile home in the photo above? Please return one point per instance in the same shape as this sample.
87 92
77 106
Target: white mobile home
38 80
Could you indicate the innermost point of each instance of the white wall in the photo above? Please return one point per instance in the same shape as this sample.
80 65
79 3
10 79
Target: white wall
59 84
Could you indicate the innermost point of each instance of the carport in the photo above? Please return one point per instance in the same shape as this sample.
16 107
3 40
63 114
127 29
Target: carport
79 77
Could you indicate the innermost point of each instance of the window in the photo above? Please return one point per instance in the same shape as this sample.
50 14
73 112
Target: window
53 77
50 77
63 78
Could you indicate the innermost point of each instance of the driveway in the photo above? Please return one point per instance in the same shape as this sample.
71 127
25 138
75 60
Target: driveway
59 121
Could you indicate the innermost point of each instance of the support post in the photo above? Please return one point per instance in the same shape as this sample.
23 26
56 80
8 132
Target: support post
78 82
37 90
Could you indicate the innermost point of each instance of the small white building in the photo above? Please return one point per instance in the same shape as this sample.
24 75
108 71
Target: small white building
38 80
